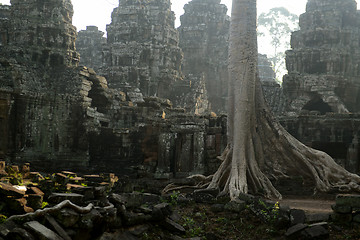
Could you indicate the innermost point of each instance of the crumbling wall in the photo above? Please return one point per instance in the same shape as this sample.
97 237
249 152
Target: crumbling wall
4 24
89 44
142 48
204 34
323 64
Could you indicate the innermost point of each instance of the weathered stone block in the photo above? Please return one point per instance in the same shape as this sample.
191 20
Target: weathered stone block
20 233
316 232
41 231
317 217
173 226
341 218
348 200
341 209
67 217
73 197
235 206
294 231
297 216
356 218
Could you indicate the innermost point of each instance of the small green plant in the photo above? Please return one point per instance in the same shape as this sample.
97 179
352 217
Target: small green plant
2 218
145 236
84 184
269 213
194 230
174 198
44 204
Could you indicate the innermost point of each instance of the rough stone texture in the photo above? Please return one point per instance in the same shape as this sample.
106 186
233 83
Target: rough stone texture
348 200
41 231
44 30
89 44
4 24
142 48
204 34
335 134
273 94
323 64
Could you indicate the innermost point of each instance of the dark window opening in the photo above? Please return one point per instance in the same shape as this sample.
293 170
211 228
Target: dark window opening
319 105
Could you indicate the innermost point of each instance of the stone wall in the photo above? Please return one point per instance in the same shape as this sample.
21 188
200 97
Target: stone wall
43 96
204 34
89 44
335 134
44 30
323 64
57 115
273 94
4 24
142 48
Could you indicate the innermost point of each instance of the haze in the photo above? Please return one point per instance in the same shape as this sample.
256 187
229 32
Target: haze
98 12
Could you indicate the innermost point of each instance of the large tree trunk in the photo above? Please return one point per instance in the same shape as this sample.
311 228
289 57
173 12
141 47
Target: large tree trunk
259 147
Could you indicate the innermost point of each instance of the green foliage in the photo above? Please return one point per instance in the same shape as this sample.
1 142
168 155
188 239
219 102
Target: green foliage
269 213
44 204
2 218
275 27
174 198
193 229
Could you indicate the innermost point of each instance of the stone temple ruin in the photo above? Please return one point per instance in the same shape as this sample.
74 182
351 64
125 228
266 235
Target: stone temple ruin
143 101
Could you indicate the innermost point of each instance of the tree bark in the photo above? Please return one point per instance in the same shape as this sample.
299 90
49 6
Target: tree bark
259 148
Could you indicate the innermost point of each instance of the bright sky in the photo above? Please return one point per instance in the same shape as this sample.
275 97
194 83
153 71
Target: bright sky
98 12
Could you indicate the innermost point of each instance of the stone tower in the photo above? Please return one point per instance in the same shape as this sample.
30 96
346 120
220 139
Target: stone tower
89 44
204 35
44 29
324 63
142 48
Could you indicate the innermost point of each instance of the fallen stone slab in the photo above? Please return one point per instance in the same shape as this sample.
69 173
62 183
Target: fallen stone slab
37 191
138 230
9 190
18 205
20 233
41 231
236 206
297 216
317 217
118 235
351 200
93 178
173 226
6 228
72 197
316 232
323 224
59 230
67 217
294 231
341 209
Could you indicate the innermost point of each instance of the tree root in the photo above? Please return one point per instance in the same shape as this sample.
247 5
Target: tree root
58 207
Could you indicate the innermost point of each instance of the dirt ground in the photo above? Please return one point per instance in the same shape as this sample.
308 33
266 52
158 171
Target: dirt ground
309 205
